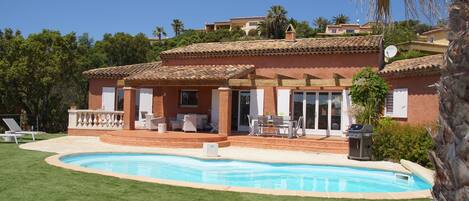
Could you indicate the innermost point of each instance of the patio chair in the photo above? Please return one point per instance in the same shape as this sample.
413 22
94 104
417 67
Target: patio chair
16 129
262 122
299 126
214 126
190 123
152 122
12 134
253 125
177 123
279 124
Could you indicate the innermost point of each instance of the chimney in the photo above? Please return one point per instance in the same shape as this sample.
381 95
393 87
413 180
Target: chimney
290 33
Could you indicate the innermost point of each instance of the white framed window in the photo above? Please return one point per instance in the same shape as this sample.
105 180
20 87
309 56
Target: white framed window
253 23
188 98
396 103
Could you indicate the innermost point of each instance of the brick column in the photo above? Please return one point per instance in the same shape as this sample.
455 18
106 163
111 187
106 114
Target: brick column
224 111
129 108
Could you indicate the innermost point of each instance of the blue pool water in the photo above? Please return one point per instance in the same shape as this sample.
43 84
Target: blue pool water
317 178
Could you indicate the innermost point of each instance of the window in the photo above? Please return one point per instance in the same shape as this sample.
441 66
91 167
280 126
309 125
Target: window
336 110
396 103
120 99
333 30
252 24
188 98
349 31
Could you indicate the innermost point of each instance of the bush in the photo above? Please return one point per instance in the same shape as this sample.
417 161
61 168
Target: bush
394 141
407 55
368 92
253 32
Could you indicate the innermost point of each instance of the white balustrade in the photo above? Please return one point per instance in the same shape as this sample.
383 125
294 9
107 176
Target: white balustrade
95 119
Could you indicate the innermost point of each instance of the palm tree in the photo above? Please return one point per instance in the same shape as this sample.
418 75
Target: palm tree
340 19
276 21
321 23
178 26
450 157
159 32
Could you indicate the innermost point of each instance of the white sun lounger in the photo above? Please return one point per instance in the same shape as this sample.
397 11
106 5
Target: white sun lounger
12 134
16 129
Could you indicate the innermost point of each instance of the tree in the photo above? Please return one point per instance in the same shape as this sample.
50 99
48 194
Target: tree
303 30
340 19
276 22
321 24
450 156
368 92
178 26
123 49
159 32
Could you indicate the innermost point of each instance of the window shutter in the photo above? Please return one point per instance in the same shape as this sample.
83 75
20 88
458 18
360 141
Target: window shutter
347 118
400 103
283 102
256 103
146 101
108 98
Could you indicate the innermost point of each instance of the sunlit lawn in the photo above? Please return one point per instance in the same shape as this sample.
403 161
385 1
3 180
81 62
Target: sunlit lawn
25 176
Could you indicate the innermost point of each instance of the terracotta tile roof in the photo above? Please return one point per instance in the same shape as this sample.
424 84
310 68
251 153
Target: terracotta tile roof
119 72
193 72
356 44
426 64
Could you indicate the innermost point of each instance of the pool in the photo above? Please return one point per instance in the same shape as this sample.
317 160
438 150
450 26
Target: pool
297 177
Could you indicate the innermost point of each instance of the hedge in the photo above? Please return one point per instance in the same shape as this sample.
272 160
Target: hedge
394 141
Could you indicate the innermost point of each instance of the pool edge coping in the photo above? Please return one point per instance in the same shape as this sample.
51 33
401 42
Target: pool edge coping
55 161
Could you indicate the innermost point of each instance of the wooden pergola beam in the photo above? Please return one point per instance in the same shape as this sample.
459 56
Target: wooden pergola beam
288 82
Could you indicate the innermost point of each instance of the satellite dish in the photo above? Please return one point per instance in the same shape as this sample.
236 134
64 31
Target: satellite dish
390 51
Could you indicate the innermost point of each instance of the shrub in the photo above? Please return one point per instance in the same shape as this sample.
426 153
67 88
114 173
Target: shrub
253 32
394 141
368 92
407 55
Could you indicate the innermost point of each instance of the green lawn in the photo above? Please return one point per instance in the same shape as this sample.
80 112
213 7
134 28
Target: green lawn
25 176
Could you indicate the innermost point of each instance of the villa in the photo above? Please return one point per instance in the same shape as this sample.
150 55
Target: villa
244 23
225 82
433 41
342 29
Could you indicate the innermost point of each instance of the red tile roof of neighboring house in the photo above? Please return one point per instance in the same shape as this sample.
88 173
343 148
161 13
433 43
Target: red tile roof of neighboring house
120 72
356 44
427 64
194 72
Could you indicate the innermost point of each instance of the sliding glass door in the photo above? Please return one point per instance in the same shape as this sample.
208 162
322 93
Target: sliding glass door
321 111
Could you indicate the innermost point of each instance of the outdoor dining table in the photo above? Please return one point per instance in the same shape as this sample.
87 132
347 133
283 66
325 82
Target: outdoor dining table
270 123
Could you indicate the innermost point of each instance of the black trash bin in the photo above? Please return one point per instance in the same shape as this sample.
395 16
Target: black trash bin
359 139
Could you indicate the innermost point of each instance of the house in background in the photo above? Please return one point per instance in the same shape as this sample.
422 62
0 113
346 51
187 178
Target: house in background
244 23
434 41
342 29
230 80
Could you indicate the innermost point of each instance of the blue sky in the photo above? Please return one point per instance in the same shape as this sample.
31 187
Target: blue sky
109 16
